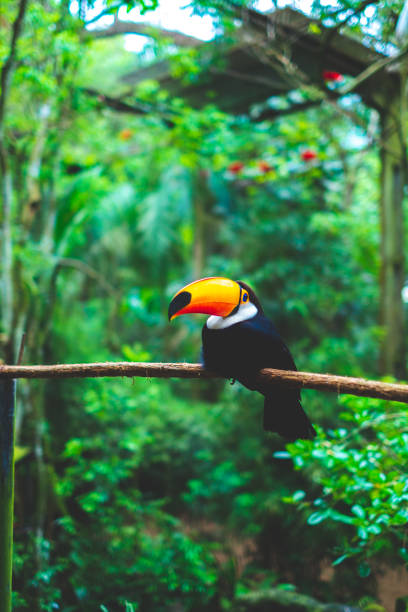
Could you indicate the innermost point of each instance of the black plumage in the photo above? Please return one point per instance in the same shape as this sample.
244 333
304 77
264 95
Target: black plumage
240 351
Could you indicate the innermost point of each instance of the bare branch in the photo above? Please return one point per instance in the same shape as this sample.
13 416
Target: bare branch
286 378
401 30
354 12
123 107
131 27
83 267
116 103
370 71
276 113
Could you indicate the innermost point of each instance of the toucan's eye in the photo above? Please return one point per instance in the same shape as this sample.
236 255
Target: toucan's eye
245 297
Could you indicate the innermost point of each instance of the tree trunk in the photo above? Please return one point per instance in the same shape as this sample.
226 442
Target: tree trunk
393 179
199 202
6 74
7 258
7 403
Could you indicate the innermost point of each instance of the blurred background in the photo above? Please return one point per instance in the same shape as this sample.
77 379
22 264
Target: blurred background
145 144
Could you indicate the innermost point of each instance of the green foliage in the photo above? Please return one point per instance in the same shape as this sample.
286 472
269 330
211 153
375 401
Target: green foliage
360 467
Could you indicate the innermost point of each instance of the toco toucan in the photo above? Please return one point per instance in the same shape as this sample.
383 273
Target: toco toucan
238 341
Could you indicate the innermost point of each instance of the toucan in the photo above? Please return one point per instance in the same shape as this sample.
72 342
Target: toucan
238 341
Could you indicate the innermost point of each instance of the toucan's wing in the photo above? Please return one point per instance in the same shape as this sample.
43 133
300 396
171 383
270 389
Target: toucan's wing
265 347
283 412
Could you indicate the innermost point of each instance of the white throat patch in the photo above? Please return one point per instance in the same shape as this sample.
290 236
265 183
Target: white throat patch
244 312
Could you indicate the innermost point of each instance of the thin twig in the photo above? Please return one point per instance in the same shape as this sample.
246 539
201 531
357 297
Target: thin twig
276 113
123 107
83 267
370 71
354 13
286 378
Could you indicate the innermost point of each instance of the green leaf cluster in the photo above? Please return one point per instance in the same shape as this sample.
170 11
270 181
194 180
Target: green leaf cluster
360 469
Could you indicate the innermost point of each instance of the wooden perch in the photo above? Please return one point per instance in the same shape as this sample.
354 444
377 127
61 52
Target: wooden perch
304 380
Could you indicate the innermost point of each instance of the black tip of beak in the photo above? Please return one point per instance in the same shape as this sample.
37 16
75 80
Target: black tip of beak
180 301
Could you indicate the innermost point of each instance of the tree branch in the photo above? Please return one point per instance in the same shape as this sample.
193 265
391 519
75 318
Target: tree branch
119 27
123 107
116 103
354 12
305 380
276 113
87 270
370 71
401 29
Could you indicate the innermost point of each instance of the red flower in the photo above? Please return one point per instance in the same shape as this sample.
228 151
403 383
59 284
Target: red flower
264 166
308 155
329 75
235 167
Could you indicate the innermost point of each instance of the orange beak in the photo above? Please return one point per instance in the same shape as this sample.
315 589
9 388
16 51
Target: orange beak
213 296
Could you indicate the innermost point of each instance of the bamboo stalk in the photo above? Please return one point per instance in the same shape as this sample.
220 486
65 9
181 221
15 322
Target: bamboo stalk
305 380
7 405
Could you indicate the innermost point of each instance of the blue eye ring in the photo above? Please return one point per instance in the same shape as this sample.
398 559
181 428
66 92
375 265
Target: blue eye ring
245 297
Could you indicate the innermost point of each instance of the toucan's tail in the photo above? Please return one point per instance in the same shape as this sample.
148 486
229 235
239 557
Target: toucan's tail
285 416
